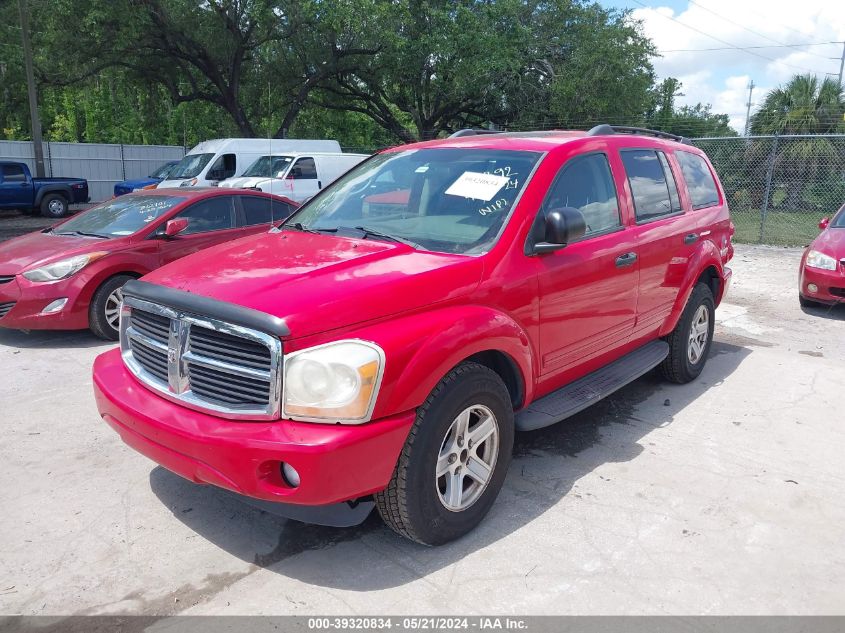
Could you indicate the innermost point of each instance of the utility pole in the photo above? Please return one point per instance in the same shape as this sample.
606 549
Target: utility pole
841 63
748 107
30 87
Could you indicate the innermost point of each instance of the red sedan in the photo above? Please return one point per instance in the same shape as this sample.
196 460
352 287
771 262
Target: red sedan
823 264
70 276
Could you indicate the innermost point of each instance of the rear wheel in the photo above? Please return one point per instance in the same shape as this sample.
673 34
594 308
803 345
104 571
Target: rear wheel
455 459
689 342
54 205
104 311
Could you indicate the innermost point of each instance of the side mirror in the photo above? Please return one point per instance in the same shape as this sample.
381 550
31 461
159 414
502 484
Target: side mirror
175 226
823 223
562 226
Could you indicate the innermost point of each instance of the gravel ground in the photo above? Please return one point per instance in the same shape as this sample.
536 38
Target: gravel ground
14 223
723 496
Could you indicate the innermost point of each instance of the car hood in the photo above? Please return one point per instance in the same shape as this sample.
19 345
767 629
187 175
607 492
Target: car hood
321 282
832 242
20 253
138 183
244 182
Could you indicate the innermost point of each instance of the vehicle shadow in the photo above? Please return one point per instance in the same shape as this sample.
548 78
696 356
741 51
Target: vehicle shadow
547 464
58 339
835 311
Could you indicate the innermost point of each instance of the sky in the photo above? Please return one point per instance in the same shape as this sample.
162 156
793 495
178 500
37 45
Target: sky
721 77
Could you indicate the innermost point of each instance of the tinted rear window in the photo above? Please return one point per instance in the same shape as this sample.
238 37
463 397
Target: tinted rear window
702 187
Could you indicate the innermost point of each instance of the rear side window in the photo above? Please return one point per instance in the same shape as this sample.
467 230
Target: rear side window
263 210
702 187
13 173
652 185
585 183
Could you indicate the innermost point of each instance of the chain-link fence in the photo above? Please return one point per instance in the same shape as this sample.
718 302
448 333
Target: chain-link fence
779 187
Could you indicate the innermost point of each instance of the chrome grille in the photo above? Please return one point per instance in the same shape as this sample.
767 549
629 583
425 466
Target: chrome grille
4 279
205 364
5 307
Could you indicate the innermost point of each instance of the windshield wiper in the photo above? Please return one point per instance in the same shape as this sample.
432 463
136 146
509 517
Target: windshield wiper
83 233
298 226
368 232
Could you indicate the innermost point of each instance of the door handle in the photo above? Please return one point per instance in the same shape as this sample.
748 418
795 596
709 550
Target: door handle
692 238
626 260
319 184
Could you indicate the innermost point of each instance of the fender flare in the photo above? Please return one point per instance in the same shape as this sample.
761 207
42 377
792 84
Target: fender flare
704 257
422 348
43 190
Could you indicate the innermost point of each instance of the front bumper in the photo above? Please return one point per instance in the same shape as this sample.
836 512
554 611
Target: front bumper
28 299
830 284
336 463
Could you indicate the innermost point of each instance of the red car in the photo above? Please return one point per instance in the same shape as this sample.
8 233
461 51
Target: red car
70 276
382 348
822 272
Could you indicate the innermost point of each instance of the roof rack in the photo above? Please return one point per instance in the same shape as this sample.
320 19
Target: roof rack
472 132
604 129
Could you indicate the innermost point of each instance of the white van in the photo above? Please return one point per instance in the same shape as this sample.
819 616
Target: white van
212 161
295 175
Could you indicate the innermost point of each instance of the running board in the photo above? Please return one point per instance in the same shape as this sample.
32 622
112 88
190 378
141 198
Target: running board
586 391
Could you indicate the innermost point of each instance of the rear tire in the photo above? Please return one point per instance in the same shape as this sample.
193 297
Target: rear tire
690 341
455 459
104 311
54 205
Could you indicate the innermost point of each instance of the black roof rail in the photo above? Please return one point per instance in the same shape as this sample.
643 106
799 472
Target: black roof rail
604 129
472 132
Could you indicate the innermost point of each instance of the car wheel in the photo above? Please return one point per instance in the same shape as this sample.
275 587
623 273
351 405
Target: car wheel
689 342
54 205
104 311
455 459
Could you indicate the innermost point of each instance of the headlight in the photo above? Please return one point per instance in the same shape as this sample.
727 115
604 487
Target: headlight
188 183
62 269
816 259
336 382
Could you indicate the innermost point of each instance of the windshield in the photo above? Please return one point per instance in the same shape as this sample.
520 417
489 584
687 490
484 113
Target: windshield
120 216
448 200
190 166
269 166
839 219
162 171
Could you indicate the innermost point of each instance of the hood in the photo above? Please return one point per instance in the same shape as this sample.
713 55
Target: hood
831 241
137 183
320 282
244 182
20 253
170 184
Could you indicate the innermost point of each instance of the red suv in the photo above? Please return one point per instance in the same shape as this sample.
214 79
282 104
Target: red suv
384 345
70 276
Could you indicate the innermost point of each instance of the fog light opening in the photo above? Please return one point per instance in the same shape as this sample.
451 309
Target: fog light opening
812 288
54 306
290 476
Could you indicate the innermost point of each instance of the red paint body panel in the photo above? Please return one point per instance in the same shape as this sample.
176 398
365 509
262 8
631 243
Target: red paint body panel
135 254
830 283
556 317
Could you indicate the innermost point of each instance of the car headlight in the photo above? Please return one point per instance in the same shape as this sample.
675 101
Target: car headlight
816 259
336 382
63 268
188 183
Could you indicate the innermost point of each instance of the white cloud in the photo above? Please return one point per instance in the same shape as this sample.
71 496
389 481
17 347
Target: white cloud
720 78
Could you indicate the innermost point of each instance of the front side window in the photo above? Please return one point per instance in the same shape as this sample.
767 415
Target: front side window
268 167
450 200
212 214
303 169
586 183
190 166
702 188
120 216
649 183
263 210
224 167
13 173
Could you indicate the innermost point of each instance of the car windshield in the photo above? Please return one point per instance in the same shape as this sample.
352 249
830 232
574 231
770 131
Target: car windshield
190 166
839 219
120 216
162 171
269 166
450 200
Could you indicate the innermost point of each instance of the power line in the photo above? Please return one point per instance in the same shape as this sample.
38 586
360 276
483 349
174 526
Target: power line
745 48
734 46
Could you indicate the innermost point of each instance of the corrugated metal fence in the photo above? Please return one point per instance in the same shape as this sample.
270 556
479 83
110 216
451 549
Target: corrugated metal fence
101 164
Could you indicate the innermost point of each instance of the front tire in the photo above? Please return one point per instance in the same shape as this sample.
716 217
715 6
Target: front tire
104 311
54 205
690 341
455 459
